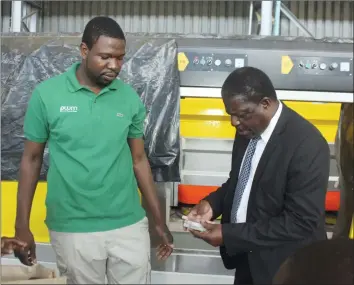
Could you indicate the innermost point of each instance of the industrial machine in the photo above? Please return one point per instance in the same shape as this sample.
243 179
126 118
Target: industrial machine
313 77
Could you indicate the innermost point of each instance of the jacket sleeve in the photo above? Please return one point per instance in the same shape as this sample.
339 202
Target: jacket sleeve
216 198
303 209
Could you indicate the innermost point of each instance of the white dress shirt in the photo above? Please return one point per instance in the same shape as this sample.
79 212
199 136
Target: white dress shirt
261 144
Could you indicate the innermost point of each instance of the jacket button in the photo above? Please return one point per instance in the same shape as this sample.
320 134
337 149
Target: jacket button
250 251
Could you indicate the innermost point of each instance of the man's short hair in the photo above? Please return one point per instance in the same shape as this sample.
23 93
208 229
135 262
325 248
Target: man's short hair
250 84
101 26
324 262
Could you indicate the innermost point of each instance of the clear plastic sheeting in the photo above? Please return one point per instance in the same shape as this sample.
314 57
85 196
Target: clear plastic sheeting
345 157
150 68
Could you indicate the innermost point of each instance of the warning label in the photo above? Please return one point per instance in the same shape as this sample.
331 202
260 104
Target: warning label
182 61
286 64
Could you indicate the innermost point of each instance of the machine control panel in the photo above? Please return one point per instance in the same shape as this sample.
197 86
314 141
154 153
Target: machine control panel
210 62
291 65
326 66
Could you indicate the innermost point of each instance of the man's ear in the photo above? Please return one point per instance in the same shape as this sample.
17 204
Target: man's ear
84 50
265 102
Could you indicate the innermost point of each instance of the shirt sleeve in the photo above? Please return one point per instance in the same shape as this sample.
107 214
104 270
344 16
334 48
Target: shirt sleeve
35 124
136 129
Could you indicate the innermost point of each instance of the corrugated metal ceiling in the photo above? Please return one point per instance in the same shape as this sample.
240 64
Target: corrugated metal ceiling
322 18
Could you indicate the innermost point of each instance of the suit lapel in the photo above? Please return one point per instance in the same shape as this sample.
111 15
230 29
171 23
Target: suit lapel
266 156
240 148
271 146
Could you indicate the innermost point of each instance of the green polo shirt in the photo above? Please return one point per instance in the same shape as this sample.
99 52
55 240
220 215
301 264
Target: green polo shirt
91 182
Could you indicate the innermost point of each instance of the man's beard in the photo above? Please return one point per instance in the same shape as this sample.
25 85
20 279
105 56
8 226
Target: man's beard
98 80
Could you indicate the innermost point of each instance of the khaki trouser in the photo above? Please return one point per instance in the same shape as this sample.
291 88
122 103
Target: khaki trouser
122 255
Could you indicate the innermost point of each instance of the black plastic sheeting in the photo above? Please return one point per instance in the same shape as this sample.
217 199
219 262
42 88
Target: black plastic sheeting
345 157
150 68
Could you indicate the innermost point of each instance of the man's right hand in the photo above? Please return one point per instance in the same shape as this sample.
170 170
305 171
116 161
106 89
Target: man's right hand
27 256
201 212
8 245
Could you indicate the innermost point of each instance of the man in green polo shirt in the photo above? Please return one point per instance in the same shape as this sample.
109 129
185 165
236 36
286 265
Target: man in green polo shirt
93 124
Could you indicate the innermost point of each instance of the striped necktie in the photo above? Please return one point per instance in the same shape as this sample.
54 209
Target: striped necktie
243 178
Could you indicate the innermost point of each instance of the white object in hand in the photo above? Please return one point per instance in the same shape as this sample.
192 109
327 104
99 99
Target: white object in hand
194 226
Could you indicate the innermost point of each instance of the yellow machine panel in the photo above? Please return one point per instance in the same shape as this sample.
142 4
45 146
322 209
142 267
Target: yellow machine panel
206 117
38 214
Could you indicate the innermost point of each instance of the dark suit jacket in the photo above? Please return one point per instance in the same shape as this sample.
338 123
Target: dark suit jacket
286 208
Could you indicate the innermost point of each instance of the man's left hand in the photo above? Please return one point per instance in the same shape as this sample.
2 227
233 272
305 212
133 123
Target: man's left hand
212 235
165 249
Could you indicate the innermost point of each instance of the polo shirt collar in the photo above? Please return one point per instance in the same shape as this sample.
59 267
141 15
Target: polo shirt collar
74 85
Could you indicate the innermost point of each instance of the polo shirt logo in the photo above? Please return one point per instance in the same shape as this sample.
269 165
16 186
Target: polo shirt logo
120 115
68 109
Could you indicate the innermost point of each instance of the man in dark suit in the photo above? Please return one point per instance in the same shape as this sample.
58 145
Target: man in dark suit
274 200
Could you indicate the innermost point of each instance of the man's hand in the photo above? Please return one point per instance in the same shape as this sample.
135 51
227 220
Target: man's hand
200 212
26 255
30 167
8 245
165 249
147 187
212 235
